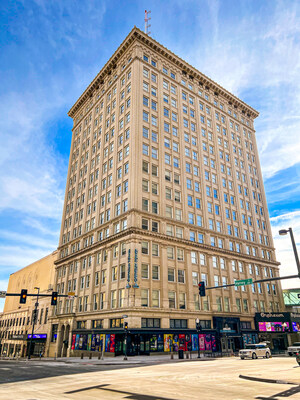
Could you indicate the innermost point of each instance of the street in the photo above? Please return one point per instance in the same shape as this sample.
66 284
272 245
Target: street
167 380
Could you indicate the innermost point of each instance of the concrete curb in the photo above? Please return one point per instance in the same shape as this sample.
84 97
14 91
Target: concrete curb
266 380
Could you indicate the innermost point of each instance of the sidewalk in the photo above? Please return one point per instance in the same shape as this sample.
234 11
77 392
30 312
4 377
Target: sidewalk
284 370
165 358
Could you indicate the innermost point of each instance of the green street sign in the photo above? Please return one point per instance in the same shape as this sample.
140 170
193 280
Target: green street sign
243 282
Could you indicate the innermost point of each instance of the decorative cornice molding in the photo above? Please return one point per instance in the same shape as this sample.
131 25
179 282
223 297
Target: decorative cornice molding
159 236
190 71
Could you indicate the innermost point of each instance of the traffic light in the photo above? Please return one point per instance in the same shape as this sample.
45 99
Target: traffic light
54 299
201 288
126 326
23 296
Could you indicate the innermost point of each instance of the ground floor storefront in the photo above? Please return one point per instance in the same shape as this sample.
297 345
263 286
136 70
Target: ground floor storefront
279 329
19 345
138 342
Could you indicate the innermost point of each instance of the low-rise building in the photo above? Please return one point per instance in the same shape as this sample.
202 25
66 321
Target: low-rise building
17 319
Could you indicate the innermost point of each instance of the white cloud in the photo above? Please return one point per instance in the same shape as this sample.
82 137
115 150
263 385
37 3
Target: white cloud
258 57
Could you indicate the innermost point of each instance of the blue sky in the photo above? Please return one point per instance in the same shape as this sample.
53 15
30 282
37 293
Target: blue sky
51 50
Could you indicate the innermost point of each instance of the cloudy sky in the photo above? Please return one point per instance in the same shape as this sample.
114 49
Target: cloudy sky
51 50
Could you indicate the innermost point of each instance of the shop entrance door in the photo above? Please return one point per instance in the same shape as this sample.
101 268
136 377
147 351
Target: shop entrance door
138 344
227 345
145 344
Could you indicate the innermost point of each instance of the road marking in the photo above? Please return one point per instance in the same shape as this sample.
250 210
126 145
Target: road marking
5 369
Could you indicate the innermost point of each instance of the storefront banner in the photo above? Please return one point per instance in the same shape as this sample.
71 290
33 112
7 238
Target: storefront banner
296 326
102 341
167 340
181 341
213 343
107 343
82 342
73 342
273 326
112 343
175 342
188 342
202 341
89 342
38 336
160 342
77 342
97 342
195 342
153 343
93 342
208 342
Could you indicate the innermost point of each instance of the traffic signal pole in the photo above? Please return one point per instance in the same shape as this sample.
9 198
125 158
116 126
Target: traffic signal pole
34 318
279 278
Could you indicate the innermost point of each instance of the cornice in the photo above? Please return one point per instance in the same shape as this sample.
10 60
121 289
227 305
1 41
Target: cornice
187 69
159 236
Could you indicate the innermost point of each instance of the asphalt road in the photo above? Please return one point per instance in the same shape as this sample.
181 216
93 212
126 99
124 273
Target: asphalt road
263 379
16 371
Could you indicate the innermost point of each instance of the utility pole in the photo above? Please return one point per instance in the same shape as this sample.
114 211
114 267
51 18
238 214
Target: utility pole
34 318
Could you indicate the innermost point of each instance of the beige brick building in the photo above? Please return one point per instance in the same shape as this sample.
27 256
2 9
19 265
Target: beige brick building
164 190
16 320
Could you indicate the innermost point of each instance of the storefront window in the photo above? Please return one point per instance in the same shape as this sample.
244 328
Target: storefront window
245 325
205 324
116 323
81 324
54 332
178 323
150 323
98 323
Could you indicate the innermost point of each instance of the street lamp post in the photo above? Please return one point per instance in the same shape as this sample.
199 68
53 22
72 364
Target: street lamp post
283 232
198 330
34 317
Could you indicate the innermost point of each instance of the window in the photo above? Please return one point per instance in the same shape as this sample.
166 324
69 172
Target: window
150 323
145 248
155 298
181 276
172 299
171 275
155 272
144 297
178 323
182 304
145 271
219 303
195 278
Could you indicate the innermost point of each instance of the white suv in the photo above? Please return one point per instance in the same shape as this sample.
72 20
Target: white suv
255 351
295 348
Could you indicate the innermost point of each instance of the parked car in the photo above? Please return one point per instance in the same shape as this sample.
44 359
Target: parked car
255 350
295 348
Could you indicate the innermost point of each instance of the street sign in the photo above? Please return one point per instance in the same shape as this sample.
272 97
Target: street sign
243 282
71 295
2 294
124 316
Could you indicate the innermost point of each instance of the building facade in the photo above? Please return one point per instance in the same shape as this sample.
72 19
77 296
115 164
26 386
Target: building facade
164 190
16 321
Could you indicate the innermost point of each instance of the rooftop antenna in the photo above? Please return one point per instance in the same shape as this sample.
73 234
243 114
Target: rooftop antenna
147 19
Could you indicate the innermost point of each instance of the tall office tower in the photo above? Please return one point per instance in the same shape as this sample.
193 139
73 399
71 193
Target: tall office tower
164 190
